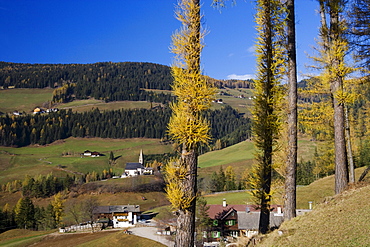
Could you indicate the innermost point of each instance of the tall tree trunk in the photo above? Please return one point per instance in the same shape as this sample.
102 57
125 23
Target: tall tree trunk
266 109
186 218
264 223
349 147
331 36
341 168
186 125
291 165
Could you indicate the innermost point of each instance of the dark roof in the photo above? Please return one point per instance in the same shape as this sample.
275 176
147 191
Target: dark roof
250 221
216 209
117 209
133 166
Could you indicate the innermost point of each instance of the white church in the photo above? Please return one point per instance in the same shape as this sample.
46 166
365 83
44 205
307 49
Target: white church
137 168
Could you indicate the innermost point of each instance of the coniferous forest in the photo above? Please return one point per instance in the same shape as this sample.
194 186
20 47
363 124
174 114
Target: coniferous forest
227 125
110 82
104 81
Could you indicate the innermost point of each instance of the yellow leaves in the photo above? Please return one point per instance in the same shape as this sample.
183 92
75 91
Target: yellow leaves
345 97
192 88
193 92
58 207
188 128
256 183
177 192
194 95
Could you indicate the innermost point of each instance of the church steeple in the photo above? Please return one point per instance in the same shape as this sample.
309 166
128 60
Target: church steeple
141 158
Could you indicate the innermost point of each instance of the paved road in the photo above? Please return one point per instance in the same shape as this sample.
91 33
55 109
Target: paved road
151 233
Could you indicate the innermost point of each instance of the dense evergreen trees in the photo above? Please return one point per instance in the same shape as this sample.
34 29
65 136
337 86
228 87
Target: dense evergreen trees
46 128
90 76
28 216
105 81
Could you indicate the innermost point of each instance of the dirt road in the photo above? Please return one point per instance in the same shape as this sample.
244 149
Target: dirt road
151 233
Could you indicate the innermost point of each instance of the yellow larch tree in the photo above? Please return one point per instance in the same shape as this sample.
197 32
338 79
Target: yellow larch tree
267 98
187 126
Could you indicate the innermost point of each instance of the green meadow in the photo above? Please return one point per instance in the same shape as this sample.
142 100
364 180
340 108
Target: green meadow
23 99
66 154
26 99
90 104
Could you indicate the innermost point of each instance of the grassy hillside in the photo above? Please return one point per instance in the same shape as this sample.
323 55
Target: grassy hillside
90 104
316 192
342 220
23 99
15 163
26 99
231 97
20 238
239 156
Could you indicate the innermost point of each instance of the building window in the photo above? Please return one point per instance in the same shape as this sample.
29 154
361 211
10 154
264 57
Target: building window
216 234
230 222
215 223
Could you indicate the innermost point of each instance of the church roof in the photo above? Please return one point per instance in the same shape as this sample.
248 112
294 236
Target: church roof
134 166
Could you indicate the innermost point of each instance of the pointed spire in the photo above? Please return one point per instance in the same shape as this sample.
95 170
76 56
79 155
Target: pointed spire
141 157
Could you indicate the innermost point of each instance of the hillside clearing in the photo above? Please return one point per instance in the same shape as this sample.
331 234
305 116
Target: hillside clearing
341 220
23 99
19 238
34 160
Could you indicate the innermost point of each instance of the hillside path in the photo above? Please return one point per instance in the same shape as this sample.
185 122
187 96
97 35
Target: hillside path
151 233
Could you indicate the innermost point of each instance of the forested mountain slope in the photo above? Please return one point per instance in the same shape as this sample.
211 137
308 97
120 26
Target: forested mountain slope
105 80
227 124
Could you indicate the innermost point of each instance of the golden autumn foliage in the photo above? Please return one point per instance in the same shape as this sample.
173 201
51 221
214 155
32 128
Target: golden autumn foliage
267 101
268 93
179 196
58 207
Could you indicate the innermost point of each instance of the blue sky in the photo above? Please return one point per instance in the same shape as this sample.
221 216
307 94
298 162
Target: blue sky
89 31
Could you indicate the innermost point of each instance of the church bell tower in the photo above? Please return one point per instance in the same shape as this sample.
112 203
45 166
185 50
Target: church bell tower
141 158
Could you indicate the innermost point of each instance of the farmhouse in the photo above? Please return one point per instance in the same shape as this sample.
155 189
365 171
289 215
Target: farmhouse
137 168
119 215
91 154
249 222
38 110
17 113
231 221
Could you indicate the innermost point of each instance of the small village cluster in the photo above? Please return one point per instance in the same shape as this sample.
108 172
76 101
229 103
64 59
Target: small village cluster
228 221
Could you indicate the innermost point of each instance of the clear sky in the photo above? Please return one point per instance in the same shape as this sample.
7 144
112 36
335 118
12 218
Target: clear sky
89 31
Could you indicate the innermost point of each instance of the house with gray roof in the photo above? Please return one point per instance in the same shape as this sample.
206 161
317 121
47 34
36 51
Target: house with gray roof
248 222
232 221
119 215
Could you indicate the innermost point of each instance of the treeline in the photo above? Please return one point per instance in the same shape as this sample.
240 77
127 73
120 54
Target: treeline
25 215
90 76
229 126
42 186
149 123
223 180
104 81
